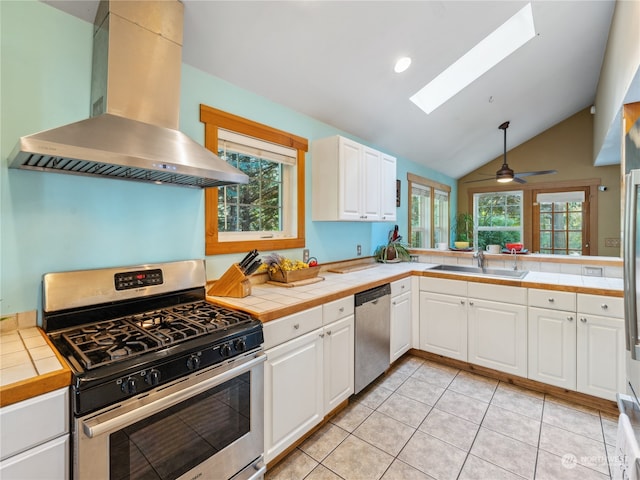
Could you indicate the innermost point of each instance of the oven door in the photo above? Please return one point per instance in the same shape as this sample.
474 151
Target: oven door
207 425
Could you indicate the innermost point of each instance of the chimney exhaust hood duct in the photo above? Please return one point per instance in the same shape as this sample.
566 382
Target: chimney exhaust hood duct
135 96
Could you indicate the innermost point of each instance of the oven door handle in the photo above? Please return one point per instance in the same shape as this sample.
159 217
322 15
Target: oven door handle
94 427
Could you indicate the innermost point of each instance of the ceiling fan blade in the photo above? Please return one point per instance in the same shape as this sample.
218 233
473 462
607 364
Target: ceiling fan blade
517 179
539 172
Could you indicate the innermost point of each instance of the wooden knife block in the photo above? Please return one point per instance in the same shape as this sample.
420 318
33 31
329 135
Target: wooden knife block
232 283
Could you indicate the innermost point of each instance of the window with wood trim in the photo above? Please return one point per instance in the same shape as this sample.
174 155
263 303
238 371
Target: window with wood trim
428 212
268 213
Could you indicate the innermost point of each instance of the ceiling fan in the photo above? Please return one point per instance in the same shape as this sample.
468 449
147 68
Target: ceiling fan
505 174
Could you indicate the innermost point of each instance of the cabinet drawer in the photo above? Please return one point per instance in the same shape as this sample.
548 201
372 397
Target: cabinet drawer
337 309
599 305
34 421
401 286
552 299
498 293
292 326
443 285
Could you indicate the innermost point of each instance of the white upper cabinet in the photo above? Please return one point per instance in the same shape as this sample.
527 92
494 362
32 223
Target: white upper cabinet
351 182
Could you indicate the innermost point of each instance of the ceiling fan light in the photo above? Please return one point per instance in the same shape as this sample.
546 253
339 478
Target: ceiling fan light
505 174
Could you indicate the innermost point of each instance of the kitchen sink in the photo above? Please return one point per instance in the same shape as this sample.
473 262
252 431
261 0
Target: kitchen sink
485 272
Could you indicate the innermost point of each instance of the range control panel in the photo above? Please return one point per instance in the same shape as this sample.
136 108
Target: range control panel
142 278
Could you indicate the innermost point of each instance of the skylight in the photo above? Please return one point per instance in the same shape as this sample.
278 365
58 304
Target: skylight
494 48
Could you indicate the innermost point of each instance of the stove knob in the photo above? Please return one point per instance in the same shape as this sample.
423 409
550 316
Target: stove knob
225 350
193 362
241 345
129 386
153 377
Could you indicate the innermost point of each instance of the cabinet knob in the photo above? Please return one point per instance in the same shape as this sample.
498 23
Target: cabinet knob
551 300
328 332
296 326
470 303
570 318
402 287
341 309
583 319
461 302
393 303
604 306
322 335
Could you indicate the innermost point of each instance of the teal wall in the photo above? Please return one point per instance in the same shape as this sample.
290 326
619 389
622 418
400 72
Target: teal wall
52 222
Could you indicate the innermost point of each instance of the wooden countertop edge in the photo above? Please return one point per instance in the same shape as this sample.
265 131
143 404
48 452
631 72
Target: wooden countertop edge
280 312
32 387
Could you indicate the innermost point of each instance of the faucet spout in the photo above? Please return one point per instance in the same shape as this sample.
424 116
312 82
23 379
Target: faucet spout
479 256
515 259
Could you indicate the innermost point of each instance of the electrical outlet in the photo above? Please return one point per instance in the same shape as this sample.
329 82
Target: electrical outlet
359 250
305 255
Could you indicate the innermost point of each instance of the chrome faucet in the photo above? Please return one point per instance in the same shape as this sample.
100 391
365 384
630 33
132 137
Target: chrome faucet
479 255
515 259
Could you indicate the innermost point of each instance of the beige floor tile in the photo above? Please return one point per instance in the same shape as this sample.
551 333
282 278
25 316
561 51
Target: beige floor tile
573 420
588 452
519 400
296 466
432 456
510 454
436 376
354 459
475 386
407 364
322 473
384 432
401 471
421 391
552 467
449 428
393 380
405 410
477 469
462 406
324 441
352 416
373 396
566 403
512 425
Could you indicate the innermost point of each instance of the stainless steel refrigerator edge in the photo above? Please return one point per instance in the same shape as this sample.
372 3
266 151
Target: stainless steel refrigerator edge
372 335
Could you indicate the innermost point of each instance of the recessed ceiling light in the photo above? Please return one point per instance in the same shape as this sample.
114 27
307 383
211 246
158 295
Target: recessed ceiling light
402 64
491 50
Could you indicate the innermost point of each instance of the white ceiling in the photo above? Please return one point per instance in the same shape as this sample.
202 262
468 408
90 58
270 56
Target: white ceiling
333 61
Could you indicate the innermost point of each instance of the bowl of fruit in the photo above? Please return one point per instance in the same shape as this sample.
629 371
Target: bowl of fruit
284 270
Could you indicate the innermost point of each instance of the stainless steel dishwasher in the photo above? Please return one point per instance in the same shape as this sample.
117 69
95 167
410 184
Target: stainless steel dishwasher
372 331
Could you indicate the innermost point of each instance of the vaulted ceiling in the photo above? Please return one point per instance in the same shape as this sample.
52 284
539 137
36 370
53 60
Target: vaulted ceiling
333 61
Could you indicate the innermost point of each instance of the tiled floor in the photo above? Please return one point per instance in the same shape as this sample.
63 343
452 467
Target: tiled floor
423 420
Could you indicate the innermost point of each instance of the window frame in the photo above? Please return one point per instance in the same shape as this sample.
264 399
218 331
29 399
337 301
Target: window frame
432 186
215 119
476 225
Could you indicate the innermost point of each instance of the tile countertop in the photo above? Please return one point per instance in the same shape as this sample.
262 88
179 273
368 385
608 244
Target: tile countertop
29 365
269 302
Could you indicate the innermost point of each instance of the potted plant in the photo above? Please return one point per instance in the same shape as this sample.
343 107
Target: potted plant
463 230
394 250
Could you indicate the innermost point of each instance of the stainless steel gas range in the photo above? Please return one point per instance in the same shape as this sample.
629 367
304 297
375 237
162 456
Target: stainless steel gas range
165 385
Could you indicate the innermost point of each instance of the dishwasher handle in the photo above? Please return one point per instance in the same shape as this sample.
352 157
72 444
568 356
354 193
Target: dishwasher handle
372 294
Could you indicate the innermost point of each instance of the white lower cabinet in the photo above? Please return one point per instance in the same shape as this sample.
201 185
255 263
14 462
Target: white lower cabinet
400 331
34 437
600 346
308 372
552 337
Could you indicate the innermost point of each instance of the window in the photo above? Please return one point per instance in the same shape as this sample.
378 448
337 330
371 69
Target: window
499 218
428 212
561 222
268 212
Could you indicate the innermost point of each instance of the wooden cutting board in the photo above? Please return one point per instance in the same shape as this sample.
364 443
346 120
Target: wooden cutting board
299 283
352 268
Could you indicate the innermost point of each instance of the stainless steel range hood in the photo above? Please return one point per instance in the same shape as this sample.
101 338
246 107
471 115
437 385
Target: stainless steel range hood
135 96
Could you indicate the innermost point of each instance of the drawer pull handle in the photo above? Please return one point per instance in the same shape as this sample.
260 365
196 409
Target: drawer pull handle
583 319
393 302
570 318
402 287
604 306
551 300
296 326
341 309
328 332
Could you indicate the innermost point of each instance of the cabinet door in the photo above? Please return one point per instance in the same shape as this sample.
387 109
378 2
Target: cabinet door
400 325
349 179
293 391
443 325
498 336
388 188
47 461
601 356
338 362
552 347
369 184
